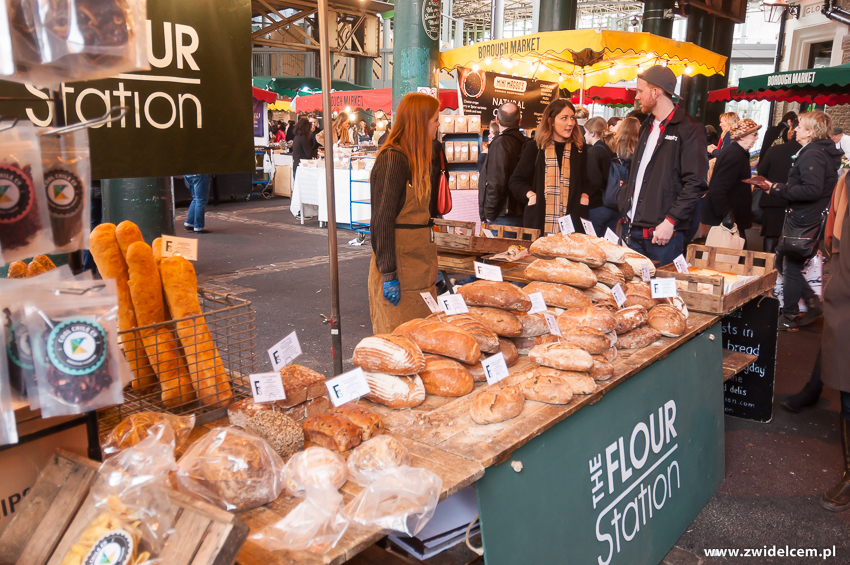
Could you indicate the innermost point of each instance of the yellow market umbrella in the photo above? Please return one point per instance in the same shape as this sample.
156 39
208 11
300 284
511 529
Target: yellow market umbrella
579 59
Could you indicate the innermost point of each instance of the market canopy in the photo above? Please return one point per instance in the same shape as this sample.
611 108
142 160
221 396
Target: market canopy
607 96
376 99
263 95
584 58
826 85
802 95
291 86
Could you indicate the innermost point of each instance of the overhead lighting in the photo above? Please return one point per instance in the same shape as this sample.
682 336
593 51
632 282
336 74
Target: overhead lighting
774 10
475 67
348 109
689 70
488 61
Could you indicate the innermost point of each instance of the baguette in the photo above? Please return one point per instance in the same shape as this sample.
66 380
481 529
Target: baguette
206 368
496 404
561 357
390 354
395 392
562 271
559 295
487 339
496 294
331 431
572 246
594 317
437 337
445 377
551 390
369 424
126 234
630 318
502 322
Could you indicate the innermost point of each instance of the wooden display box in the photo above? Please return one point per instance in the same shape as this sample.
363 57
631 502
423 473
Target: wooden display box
459 237
750 263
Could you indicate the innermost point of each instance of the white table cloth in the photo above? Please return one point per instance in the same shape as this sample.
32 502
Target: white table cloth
310 189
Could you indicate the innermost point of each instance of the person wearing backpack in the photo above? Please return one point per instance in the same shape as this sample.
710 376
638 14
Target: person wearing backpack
600 168
496 203
620 151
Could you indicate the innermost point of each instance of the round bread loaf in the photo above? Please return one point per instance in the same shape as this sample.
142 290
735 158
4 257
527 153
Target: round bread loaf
502 322
638 338
558 295
639 293
445 377
495 294
602 369
608 274
580 382
668 320
560 356
509 351
593 317
526 344
590 340
551 390
562 271
496 404
390 354
629 318
678 303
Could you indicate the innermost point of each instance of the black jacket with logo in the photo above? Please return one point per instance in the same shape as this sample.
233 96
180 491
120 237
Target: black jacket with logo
674 180
494 197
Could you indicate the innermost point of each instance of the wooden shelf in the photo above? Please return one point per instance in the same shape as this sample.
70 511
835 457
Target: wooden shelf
734 362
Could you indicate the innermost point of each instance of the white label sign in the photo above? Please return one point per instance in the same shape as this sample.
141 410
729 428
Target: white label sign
663 288
588 227
284 352
537 303
566 224
644 272
430 302
180 247
611 236
488 233
488 272
267 387
619 295
681 264
552 322
453 304
347 387
495 368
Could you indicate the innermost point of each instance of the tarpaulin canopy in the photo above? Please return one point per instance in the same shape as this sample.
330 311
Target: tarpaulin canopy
263 95
281 106
584 58
376 99
291 86
801 95
825 80
607 96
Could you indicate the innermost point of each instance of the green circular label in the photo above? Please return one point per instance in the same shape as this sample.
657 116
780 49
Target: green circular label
64 192
18 346
112 548
16 194
77 346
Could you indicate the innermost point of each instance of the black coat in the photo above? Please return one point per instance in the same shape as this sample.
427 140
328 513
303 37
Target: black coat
775 166
772 134
530 175
727 191
598 166
726 142
674 180
494 197
302 148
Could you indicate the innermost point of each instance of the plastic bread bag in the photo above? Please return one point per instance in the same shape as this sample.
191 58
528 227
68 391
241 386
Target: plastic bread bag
74 338
81 40
24 218
402 500
20 60
135 515
67 177
8 426
315 468
315 525
371 459
136 427
232 469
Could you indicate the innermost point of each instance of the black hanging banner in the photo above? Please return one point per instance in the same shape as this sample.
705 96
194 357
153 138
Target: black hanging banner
752 329
483 92
191 113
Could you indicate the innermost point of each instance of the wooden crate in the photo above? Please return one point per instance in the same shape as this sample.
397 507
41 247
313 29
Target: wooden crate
59 508
455 261
750 263
459 238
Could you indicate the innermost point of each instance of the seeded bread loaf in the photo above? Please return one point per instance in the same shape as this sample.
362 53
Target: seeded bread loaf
280 432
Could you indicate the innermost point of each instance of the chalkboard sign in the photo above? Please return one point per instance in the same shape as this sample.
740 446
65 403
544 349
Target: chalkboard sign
752 329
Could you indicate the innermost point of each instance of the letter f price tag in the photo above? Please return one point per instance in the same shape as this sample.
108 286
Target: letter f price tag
681 264
495 368
284 352
453 304
566 225
347 387
267 387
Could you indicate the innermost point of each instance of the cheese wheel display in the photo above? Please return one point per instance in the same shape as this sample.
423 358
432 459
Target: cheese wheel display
668 320
445 377
562 271
440 338
560 356
630 318
496 295
559 295
487 339
390 354
504 323
638 338
395 392
593 317
496 404
571 246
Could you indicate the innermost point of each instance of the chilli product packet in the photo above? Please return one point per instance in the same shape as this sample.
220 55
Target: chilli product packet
67 177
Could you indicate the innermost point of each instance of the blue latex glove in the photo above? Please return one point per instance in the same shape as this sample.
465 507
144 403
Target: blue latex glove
392 292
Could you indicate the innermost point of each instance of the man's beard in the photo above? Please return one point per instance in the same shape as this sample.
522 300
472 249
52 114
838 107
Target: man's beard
648 106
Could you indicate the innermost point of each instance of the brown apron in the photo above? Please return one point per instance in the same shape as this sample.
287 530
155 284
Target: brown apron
416 266
836 316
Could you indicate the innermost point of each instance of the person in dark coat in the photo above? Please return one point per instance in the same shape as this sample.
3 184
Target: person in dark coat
496 204
775 167
290 131
784 129
730 199
727 122
808 191
541 182
600 151
711 136
302 144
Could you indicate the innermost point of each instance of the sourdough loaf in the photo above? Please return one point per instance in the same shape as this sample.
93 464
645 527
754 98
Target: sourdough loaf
496 294
572 246
639 293
496 404
440 338
525 344
504 323
602 369
590 340
562 271
638 338
667 320
559 295
445 377
395 392
580 382
593 317
509 352
635 260
487 339
390 354
551 390
533 325
630 318
559 356
609 275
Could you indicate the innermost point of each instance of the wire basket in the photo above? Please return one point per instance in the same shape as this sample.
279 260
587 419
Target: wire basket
196 365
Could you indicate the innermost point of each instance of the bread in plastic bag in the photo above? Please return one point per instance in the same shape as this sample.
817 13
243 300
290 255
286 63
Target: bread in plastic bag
315 525
401 500
315 467
232 469
136 427
371 459
67 180
8 425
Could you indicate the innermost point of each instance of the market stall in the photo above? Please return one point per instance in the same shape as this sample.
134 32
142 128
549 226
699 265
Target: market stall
380 99
351 192
829 86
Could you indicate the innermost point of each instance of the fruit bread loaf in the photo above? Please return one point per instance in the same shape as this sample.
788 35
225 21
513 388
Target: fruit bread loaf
630 318
562 271
504 323
331 431
563 357
440 338
571 246
551 390
395 392
668 320
445 377
496 294
390 354
496 404
487 339
558 295
369 424
638 338
593 317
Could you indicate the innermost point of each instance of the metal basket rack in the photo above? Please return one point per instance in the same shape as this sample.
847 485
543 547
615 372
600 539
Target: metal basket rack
222 342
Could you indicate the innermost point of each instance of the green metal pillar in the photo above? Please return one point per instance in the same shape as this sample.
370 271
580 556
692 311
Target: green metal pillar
416 48
558 15
147 202
695 88
362 65
724 31
654 20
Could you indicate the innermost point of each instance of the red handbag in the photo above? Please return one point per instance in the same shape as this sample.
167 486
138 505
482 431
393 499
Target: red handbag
444 196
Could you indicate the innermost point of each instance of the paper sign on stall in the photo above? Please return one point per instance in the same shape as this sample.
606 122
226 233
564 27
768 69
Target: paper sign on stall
663 288
619 295
495 368
537 303
453 304
588 227
488 272
430 302
267 387
611 236
180 247
284 352
681 264
347 387
644 273
566 224
552 322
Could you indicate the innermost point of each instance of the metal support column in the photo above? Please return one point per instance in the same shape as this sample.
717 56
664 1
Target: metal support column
446 22
416 49
459 33
147 202
694 93
724 31
497 19
658 17
535 16
558 15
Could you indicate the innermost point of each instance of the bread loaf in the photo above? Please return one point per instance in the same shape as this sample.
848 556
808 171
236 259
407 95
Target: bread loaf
243 410
610 355
562 271
442 339
280 432
639 293
331 431
638 338
609 275
590 340
504 323
613 253
602 370
525 344
17 270
495 294
496 404
593 317
390 354
300 384
630 318
487 339
205 365
563 357
369 424
516 379
395 392
127 233
445 377
628 272
533 325
667 320
635 260
476 371
509 352
39 265
600 294
678 304
580 382
572 246
551 390
559 295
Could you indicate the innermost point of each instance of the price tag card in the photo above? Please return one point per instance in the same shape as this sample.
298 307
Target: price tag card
430 302
453 304
488 233
588 227
347 387
663 288
537 303
180 246
495 368
611 236
552 322
284 352
681 264
566 224
644 272
619 295
488 272
267 387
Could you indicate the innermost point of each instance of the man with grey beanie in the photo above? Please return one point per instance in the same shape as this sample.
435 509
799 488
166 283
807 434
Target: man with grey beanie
668 173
